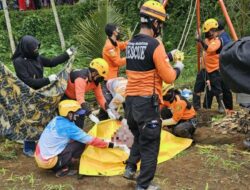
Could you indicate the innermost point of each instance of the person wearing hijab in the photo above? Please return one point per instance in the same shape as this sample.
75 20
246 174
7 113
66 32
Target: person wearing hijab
28 64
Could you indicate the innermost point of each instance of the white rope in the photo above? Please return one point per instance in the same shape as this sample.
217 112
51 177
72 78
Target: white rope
184 30
190 24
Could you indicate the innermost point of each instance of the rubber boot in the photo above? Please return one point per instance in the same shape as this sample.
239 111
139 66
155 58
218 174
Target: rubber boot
196 102
219 99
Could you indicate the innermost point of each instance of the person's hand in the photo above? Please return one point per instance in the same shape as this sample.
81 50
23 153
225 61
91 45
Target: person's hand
93 118
179 65
178 56
70 51
85 106
173 52
111 114
124 123
122 147
52 78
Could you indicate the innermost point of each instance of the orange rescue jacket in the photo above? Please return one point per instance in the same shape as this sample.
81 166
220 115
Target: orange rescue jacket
112 55
211 55
179 109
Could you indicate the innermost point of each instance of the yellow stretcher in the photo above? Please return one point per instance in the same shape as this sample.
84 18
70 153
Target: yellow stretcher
109 162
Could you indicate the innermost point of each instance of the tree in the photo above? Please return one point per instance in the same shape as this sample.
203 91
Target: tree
59 29
8 24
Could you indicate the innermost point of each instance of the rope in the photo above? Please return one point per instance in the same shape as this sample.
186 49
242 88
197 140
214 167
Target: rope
190 24
187 21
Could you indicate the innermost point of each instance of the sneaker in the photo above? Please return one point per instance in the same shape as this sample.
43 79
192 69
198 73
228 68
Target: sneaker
29 153
29 148
150 187
65 172
129 173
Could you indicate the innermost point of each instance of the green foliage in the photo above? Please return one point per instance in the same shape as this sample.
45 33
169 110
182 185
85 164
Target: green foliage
90 32
41 24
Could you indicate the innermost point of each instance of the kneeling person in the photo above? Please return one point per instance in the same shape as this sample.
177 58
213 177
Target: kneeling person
183 118
62 142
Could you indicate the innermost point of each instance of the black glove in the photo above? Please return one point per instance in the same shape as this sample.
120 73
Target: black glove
85 106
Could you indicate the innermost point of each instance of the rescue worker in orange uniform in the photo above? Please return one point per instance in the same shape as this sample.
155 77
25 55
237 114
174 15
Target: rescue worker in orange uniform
183 120
111 53
146 67
212 47
85 80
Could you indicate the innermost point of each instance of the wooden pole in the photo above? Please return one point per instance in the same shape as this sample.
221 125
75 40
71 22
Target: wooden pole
228 20
8 24
59 29
198 24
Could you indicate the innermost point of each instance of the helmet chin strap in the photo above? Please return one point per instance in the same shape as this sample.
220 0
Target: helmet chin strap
157 30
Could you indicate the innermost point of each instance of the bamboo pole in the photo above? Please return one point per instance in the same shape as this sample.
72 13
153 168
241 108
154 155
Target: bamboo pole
228 20
198 23
59 29
8 24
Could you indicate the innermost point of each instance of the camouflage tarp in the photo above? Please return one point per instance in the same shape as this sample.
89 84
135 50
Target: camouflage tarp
24 112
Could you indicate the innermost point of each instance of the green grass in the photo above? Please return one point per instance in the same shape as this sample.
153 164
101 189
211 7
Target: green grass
58 187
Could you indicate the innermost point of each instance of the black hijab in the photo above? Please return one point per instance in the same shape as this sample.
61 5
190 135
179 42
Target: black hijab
26 48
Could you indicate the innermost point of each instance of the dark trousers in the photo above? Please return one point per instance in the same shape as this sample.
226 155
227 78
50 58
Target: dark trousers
184 128
199 87
145 124
72 150
108 97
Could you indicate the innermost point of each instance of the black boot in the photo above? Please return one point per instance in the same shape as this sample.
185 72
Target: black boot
221 107
196 102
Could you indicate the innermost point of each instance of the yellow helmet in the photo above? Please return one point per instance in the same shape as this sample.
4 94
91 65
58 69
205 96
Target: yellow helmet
101 66
153 9
210 24
166 87
67 106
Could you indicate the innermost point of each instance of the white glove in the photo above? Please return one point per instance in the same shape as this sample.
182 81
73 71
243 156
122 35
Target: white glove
122 147
52 78
110 114
124 123
173 52
93 118
179 65
70 51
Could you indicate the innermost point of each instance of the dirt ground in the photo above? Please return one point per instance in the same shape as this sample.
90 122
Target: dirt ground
215 162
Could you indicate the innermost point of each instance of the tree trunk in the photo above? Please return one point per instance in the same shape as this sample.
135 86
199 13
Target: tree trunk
8 24
59 29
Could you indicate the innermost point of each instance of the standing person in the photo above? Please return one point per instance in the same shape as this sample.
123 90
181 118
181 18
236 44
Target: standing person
26 5
147 66
111 53
225 39
89 79
62 142
183 120
29 65
212 47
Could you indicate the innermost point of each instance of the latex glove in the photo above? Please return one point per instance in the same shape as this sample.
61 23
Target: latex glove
173 52
124 123
52 78
178 56
93 118
85 106
110 114
179 65
122 147
167 122
70 51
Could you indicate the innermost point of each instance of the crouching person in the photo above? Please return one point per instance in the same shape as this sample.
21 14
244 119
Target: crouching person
62 142
181 120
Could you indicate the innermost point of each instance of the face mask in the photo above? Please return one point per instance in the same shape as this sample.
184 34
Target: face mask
34 54
118 37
